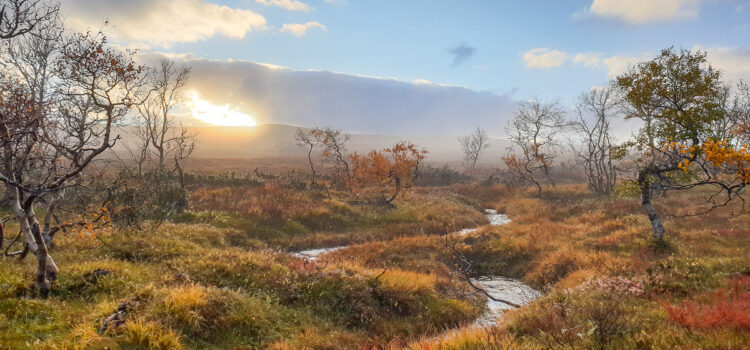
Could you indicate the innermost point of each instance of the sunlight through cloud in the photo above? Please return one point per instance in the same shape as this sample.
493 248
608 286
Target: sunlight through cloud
218 115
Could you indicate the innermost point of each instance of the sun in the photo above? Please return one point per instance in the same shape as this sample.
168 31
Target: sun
218 115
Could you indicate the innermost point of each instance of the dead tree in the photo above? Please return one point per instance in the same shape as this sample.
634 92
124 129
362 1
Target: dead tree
472 146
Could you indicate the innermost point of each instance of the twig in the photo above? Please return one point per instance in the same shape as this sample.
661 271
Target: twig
466 273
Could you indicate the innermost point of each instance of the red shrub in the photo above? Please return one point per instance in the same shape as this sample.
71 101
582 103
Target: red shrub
303 266
729 308
732 232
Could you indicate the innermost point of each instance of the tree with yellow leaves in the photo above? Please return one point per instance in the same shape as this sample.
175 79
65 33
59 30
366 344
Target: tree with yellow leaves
677 96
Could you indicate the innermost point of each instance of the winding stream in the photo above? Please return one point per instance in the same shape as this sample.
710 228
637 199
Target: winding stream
505 288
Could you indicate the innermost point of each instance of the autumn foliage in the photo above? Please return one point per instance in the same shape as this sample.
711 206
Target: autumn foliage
394 167
716 156
728 308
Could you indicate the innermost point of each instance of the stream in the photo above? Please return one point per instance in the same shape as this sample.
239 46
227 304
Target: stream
499 287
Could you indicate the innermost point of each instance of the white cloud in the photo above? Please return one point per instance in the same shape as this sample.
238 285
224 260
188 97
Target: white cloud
162 22
614 65
289 5
420 81
588 59
544 58
300 29
644 11
733 61
618 64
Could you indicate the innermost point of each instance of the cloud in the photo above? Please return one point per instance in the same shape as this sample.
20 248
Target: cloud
162 22
544 58
289 5
274 94
461 53
618 64
733 61
588 59
300 29
645 11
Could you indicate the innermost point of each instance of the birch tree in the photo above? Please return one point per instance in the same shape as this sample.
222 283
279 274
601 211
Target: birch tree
533 133
47 144
678 97
595 150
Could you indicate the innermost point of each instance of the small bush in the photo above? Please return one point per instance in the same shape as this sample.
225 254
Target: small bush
680 276
440 176
150 335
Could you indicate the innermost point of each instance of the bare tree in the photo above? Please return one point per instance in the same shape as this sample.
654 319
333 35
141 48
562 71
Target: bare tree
595 150
47 144
19 17
737 107
473 145
333 142
534 130
161 133
306 139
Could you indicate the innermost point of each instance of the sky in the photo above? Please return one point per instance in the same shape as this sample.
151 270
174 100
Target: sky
411 67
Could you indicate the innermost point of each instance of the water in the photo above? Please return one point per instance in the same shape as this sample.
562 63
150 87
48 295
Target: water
499 287
502 288
495 220
313 254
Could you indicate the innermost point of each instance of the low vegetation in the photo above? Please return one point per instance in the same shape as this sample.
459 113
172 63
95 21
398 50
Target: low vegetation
148 255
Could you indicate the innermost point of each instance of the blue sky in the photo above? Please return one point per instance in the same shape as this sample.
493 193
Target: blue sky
512 49
410 40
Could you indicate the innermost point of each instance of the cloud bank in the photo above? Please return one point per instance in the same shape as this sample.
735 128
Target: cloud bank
274 94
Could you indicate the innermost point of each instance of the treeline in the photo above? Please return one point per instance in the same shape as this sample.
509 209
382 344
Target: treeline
694 129
694 132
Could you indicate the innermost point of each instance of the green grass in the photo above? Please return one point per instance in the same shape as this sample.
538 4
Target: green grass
241 291
394 285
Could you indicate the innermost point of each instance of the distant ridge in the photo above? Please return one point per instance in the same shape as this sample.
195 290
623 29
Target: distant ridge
272 146
277 140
